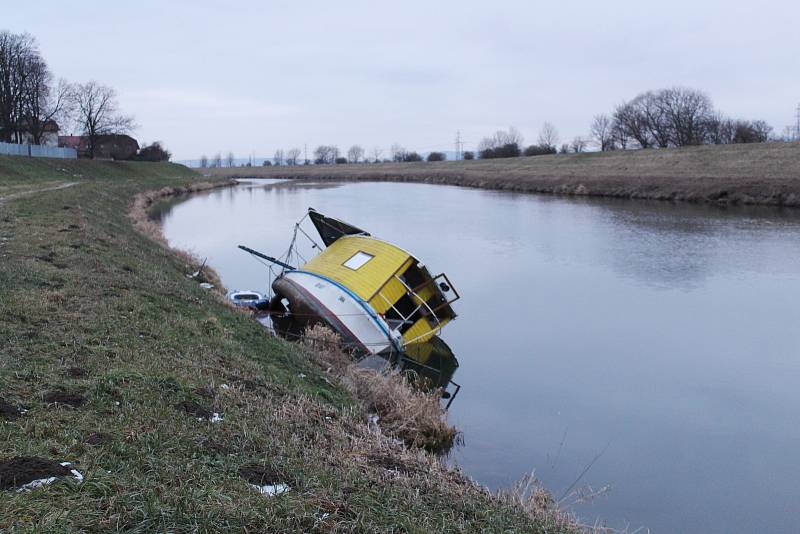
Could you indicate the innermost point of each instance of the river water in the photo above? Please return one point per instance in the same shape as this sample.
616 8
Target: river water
653 347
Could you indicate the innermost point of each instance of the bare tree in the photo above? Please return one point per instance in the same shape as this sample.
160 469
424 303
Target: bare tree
602 132
578 145
501 144
203 161
376 152
230 159
217 160
17 51
355 153
762 131
278 157
500 138
656 118
326 154
620 138
670 117
293 155
42 103
98 113
398 152
548 136
687 113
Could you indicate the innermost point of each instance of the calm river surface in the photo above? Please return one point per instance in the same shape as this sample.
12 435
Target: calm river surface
660 341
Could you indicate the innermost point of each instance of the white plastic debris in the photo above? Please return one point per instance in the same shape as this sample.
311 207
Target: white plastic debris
271 489
33 484
224 386
216 418
372 422
75 473
301 375
206 285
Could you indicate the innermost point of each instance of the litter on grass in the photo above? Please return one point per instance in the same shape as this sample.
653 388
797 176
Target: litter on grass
271 489
41 482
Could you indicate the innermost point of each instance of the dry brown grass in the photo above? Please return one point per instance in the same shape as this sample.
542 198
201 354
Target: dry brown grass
416 417
762 173
529 495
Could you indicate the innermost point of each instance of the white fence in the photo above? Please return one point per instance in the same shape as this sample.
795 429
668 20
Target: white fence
37 151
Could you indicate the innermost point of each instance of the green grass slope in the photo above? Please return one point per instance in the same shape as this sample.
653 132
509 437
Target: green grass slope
119 358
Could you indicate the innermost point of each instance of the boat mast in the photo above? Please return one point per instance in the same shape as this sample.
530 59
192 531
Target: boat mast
268 258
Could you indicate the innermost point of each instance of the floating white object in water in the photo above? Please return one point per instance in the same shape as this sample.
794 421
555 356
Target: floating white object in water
271 489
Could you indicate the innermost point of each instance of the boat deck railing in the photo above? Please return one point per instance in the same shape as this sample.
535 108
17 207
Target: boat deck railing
443 286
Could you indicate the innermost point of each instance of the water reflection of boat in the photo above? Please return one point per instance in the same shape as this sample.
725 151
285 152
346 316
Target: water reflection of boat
429 365
378 297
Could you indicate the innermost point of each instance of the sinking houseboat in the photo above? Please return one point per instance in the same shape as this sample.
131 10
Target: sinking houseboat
377 296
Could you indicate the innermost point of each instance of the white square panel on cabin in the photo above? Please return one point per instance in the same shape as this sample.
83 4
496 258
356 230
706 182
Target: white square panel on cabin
357 260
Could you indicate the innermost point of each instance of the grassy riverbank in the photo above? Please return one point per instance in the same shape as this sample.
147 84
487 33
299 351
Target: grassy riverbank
767 173
121 361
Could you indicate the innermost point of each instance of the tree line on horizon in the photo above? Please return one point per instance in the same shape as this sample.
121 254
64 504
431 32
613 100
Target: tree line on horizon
32 101
329 155
664 118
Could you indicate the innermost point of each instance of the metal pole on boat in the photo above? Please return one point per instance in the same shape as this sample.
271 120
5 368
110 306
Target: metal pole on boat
268 258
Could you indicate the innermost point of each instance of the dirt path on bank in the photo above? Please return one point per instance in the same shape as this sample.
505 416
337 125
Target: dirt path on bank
29 192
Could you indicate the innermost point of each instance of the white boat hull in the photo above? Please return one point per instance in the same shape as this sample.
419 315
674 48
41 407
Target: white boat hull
314 296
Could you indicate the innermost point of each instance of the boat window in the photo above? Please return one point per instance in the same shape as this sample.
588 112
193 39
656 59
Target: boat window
357 260
404 312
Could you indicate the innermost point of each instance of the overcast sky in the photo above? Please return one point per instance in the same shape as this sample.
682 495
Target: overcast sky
255 76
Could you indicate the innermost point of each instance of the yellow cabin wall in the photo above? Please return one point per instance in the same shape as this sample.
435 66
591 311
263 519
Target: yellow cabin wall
393 290
377 275
422 331
370 277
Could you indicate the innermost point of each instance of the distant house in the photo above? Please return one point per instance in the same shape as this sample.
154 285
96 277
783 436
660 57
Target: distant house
49 134
21 134
115 146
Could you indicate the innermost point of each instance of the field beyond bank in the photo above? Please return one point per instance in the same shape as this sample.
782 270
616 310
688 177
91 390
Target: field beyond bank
759 173
170 403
